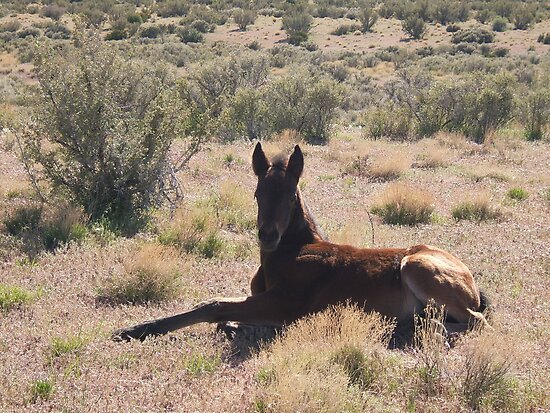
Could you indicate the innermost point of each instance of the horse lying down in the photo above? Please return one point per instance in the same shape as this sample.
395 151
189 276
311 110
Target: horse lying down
301 273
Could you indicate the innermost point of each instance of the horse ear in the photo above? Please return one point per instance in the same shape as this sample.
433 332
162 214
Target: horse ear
260 164
296 162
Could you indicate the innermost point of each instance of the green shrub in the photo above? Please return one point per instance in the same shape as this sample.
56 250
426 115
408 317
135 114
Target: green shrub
544 38
150 32
501 52
523 16
102 131
504 8
304 102
535 110
465 48
57 31
28 32
202 26
10 26
245 115
500 24
517 194
134 18
297 26
189 34
414 26
473 105
473 36
23 219
117 34
52 11
212 87
483 15
172 8
389 122
452 28
368 17
244 18
488 108
344 29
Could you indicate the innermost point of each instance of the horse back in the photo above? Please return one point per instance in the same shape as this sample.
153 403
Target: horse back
322 274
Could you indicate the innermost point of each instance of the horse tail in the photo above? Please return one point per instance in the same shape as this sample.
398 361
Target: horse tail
485 305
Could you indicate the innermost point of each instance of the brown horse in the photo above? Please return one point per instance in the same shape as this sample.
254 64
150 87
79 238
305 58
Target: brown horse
301 273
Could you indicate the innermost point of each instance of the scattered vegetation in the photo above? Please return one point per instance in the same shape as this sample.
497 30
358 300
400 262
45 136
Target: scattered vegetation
297 24
108 131
199 363
172 76
404 205
151 274
12 296
415 27
477 209
517 194
342 343
41 390
61 346
244 18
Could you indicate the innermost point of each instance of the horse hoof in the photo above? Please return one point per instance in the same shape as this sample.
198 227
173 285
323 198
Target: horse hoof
139 332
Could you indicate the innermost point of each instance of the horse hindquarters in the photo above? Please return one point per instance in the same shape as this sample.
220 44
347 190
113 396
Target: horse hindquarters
431 273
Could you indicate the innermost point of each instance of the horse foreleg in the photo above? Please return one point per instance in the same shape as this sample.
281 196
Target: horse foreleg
267 308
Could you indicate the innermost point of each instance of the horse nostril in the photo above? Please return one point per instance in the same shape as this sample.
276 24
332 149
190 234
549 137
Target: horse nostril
267 235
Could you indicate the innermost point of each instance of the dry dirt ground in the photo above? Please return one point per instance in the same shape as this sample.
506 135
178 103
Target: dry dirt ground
197 370
386 32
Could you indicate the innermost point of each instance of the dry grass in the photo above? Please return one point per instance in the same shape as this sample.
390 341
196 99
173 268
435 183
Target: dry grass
433 156
343 344
404 205
453 140
352 234
388 167
194 229
151 274
477 208
431 343
194 370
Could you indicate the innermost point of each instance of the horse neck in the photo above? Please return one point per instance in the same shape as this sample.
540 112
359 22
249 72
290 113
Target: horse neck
302 229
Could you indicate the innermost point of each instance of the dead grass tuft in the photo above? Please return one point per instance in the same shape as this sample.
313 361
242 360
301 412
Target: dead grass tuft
432 157
351 234
478 208
453 140
195 229
487 362
342 343
431 342
151 274
388 168
233 207
287 137
405 205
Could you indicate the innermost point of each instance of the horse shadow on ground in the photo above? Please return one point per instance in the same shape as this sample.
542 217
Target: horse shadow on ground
246 340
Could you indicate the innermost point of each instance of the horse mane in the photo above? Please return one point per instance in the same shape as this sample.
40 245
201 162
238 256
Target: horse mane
310 220
279 162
